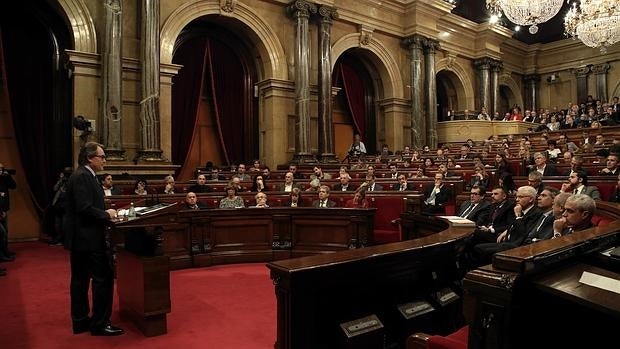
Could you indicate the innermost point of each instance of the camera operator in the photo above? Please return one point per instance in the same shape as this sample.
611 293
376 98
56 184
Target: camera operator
6 183
357 148
58 205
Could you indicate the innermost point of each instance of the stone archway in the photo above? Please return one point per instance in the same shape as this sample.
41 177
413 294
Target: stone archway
82 25
510 89
272 58
460 80
450 93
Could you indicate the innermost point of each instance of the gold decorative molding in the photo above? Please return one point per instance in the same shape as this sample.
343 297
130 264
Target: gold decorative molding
228 6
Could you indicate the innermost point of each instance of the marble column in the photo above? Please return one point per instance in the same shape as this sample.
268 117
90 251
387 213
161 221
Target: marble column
496 68
150 142
430 85
581 74
531 91
418 122
326 129
483 67
112 80
600 72
300 11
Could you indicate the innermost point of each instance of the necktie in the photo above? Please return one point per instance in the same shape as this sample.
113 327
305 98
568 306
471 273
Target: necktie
542 221
495 213
576 191
402 188
468 210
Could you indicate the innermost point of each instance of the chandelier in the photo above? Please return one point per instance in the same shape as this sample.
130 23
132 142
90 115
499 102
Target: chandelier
595 22
526 12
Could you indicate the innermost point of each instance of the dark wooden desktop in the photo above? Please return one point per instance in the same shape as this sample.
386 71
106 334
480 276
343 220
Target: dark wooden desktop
150 245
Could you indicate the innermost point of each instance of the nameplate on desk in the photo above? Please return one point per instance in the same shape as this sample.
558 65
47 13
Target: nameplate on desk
599 281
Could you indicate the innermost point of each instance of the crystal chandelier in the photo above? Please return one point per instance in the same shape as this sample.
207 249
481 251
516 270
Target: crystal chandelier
595 22
526 12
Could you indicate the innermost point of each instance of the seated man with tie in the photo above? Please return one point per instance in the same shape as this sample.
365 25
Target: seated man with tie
578 184
527 215
370 185
577 215
192 203
476 207
544 227
402 184
436 196
323 201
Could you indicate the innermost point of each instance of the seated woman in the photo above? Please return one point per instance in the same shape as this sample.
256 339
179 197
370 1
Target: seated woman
294 199
261 200
140 187
169 188
480 178
358 201
231 200
258 184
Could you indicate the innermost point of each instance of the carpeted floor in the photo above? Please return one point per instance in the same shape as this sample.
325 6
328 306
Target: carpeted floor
229 306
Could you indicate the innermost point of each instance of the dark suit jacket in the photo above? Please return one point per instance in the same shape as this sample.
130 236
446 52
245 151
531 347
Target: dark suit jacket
378 187
396 187
338 187
475 214
503 218
6 183
281 186
85 217
544 232
199 206
440 198
550 170
330 203
517 233
115 191
199 189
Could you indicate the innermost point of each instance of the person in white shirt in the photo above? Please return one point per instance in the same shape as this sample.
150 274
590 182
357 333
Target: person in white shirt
357 148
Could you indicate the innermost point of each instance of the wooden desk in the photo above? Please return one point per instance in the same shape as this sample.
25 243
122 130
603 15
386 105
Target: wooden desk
175 238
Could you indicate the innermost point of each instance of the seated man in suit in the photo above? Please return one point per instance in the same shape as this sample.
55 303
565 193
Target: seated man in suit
543 229
402 184
108 185
192 203
289 183
612 168
476 206
344 184
578 184
323 201
495 220
526 217
370 184
534 179
436 196
541 165
200 186
577 215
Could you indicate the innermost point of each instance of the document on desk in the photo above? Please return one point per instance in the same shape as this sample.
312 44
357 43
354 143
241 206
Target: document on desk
599 281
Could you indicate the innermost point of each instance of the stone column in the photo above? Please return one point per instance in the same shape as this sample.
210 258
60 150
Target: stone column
430 86
600 72
531 91
149 105
581 75
326 129
483 66
496 67
300 11
418 123
111 77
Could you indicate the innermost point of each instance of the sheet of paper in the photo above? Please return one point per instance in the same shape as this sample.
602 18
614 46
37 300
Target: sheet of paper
600 281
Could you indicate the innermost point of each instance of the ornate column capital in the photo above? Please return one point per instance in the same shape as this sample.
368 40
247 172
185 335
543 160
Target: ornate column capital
497 65
327 14
581 72
483 63
300 8
531 78
430 46
415 41
602 68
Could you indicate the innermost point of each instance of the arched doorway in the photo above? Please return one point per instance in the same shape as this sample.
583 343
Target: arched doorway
214 108
354 108
37 87
449 91
506 100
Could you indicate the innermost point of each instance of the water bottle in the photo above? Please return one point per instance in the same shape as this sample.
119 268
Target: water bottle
132 211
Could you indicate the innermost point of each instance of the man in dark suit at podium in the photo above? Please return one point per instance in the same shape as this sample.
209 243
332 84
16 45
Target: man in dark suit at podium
91 258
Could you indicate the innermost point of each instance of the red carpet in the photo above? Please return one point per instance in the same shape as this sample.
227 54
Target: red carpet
229 306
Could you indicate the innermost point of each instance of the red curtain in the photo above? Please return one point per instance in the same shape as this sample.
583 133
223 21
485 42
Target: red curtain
355 94
29 82
210 63
186 92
